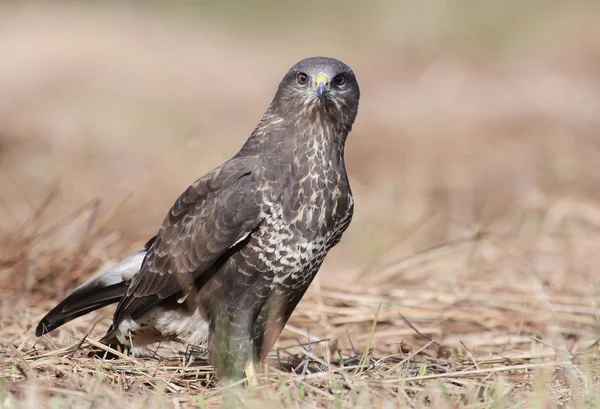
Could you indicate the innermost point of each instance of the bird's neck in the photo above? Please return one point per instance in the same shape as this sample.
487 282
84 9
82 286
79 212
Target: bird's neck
317 136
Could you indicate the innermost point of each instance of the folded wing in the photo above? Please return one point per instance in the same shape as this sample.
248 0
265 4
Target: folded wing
210 217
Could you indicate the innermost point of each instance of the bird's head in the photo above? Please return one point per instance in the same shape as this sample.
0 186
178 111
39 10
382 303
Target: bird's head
319 88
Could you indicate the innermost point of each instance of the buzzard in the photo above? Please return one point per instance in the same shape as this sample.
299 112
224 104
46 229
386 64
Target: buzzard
240 246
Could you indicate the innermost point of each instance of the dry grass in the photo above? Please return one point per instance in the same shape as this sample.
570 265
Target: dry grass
468 277
476 342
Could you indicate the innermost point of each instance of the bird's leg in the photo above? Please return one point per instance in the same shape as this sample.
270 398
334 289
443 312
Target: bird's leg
188 356
308 352
250 371
193 352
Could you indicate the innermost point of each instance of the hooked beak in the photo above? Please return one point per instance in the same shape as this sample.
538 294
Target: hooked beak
321 86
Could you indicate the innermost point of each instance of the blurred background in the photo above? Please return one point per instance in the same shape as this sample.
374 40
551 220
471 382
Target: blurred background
474 158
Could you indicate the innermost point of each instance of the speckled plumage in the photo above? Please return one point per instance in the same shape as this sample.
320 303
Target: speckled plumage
242 244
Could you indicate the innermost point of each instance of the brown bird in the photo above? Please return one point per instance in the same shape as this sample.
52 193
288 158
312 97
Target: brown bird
241 245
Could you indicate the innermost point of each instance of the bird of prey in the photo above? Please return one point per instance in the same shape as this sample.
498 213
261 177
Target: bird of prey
238 249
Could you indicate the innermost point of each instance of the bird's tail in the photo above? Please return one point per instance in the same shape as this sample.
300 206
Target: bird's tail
105 288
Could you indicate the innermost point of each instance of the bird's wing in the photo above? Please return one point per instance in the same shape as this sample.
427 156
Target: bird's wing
211 216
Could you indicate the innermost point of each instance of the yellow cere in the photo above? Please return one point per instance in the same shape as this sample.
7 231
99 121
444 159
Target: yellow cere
321 78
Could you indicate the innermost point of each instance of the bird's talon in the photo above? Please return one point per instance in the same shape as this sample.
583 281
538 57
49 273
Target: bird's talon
251 376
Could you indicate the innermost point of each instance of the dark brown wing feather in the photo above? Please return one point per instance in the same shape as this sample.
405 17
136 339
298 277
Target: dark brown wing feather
213 214
80 303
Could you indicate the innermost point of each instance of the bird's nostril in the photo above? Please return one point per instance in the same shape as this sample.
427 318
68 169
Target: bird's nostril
322 79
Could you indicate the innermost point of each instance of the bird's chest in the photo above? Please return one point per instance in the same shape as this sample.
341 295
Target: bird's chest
294 239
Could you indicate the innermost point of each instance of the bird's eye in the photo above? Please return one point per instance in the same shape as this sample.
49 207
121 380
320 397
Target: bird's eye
302 78
339 80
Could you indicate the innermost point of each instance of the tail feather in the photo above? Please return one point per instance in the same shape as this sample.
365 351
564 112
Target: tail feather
106 288
78 304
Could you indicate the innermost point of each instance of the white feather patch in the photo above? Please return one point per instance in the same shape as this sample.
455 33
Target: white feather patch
123 271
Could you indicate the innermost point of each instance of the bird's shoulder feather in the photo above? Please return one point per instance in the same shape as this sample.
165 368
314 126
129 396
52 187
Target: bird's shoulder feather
212 215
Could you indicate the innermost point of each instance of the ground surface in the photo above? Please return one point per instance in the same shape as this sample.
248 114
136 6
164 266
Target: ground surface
469 275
